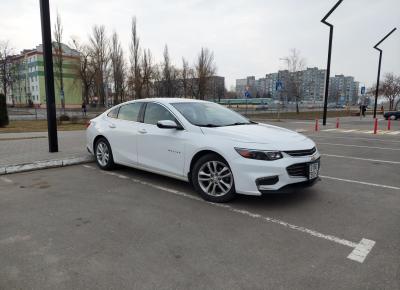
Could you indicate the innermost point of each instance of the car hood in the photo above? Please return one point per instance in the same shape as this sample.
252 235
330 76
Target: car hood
277 137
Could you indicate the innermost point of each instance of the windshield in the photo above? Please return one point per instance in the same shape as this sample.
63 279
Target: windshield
206 114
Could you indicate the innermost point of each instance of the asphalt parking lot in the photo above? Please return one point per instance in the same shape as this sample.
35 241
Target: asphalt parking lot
81 228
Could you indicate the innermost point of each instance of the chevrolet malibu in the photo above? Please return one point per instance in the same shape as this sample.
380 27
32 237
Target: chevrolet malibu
220 152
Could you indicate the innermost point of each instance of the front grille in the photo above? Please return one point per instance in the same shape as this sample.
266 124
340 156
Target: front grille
298 170
298 153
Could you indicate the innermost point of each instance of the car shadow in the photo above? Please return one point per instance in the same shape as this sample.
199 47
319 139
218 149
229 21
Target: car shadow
273 201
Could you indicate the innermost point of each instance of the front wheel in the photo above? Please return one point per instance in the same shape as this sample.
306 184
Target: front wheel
213 179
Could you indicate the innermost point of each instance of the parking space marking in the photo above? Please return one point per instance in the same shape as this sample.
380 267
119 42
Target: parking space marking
361 182
7 180
89 166
360 146
354 138
360 250
393 133
363 159
116 174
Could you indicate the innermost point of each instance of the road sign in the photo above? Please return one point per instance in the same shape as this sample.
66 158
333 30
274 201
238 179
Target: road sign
247 94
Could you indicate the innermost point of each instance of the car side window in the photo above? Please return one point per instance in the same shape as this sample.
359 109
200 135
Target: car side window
113 113
155 112
129 112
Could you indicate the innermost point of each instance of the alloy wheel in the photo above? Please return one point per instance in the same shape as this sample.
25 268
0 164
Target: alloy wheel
102 153
215 178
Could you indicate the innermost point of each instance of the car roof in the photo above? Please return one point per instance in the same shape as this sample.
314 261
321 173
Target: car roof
168 100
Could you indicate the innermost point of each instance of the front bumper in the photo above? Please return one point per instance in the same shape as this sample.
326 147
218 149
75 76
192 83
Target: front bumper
293 187
274 175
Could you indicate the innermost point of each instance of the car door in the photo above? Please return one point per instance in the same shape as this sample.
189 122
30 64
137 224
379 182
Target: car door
160 150
124 133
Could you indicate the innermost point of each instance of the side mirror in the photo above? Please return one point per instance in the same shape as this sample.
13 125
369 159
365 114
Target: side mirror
168 124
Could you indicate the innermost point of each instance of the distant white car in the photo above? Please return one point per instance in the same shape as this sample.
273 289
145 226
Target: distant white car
217 150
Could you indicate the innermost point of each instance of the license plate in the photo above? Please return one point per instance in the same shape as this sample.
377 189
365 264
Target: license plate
313 170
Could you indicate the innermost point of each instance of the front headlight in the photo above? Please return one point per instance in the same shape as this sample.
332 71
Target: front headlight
259 154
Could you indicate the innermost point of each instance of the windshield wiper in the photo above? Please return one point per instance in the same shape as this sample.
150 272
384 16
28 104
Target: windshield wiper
208 125
239 123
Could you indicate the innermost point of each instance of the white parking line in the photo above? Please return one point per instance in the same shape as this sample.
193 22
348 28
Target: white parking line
89 166
360 250
360 146
361 182
354 138
364 159
5 179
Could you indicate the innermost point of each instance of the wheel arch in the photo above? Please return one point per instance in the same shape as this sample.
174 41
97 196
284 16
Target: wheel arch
95 141
197 156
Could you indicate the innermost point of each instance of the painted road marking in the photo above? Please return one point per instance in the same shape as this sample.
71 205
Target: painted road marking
393 133
360 250
361 182
116 174
379 132
5 179
89 166
355 138
364 159
360 146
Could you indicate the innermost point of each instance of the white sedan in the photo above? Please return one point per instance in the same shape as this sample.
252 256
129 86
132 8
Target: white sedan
218 151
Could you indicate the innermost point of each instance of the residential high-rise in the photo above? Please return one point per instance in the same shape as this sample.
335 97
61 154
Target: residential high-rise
308 85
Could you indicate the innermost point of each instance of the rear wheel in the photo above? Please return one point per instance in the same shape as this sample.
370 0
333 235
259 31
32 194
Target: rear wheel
213 179
103 154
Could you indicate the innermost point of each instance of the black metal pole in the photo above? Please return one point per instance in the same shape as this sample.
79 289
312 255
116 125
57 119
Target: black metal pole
379 68
328 66
377 83
48 75
328 75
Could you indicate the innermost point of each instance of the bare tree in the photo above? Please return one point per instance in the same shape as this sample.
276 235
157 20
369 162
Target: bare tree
167 74
58 57
390 88
148 70
185 77
99 46
84 69
6 75
204 69
118 68
293 87
135 58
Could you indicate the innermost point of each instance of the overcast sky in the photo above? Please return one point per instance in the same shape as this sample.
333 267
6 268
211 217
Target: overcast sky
247 37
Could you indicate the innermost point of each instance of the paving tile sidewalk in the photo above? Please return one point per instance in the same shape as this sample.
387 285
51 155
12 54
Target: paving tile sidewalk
19 151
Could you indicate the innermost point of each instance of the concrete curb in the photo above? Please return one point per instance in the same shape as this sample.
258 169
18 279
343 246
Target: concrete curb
9 169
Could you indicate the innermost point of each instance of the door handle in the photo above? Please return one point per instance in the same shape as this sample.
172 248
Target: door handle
142 131
112 126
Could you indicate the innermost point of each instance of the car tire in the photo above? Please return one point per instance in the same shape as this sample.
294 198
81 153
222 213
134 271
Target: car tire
212 178
103 154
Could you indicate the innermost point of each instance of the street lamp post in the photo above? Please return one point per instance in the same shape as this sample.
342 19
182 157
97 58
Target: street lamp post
379 68
49 76
328 67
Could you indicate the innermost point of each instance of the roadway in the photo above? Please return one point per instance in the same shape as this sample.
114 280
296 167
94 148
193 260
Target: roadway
80 227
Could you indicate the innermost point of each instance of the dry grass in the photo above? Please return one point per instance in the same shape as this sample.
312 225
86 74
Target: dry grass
39 126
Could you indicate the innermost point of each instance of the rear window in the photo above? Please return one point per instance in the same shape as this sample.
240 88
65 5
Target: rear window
113 113
130 112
